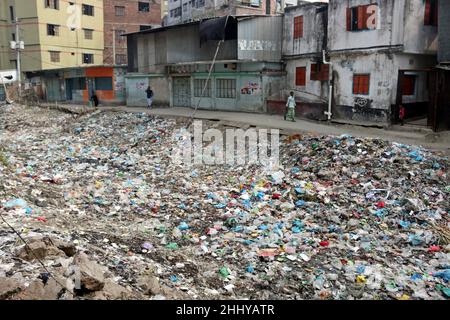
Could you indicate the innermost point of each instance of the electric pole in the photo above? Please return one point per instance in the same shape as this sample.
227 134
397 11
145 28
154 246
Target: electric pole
114 45
18 47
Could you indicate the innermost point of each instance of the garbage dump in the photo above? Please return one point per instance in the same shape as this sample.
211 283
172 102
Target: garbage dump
107 215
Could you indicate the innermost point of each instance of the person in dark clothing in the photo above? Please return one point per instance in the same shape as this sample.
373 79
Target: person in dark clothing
94 99
149 92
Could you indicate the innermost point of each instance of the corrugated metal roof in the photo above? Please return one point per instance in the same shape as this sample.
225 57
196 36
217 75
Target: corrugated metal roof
238 17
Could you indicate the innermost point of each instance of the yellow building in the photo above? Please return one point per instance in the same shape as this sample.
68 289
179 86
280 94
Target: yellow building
57 33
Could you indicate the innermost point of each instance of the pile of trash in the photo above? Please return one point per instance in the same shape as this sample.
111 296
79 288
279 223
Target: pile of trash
107 215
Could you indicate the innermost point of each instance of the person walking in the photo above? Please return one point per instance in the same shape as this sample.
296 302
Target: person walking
149 92
290 105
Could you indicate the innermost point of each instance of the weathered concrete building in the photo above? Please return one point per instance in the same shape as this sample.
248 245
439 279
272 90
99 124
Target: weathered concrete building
176 61
381 52
440 84
304 39
183 11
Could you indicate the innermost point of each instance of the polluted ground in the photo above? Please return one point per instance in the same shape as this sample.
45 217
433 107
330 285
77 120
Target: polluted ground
106 214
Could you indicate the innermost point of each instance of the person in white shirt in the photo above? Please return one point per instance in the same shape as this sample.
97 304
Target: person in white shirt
290 116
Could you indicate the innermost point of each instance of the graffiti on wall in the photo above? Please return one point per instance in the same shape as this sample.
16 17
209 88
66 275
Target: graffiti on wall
141 85
251 88
258 45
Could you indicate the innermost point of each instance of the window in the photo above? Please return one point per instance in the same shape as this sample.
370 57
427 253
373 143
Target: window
121 59
88 10
226 88
431 12
120 11
200 3
103 83
79 84
88 58
185 7
144 7
298 27
54 56
52 4
300 76
88 34
13 36
361 84
199 84
52 30
11 13
362 18
409 85
119 34
319 72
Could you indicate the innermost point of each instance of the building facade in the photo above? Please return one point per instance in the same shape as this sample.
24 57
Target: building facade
440 84
123 17
246 71
304 40
57 34
182 11
381 53
77 85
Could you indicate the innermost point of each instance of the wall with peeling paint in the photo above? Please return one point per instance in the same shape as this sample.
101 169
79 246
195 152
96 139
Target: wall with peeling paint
314 29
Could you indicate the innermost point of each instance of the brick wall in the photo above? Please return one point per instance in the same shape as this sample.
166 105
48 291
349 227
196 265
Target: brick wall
129 22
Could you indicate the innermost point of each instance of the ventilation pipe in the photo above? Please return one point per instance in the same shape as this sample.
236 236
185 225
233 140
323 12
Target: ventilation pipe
330 93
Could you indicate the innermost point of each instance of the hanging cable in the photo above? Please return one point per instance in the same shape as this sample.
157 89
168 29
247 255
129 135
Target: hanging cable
209 73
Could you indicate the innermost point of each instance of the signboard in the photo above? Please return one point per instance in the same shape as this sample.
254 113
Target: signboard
8 76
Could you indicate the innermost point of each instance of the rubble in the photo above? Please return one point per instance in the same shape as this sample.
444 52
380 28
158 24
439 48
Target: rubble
342 218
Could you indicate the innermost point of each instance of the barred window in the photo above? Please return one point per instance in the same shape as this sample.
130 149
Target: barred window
226 88
88 10
52 30
52 4
88 34
121 59
199 84
120 10
88 58
54 56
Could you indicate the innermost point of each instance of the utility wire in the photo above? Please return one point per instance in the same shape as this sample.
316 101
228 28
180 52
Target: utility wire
209 73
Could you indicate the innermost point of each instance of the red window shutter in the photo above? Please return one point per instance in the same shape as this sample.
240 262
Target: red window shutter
355 84
300 32
361 84
349 19
365 16
361 16
366 84
427 12
300 76
298 27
